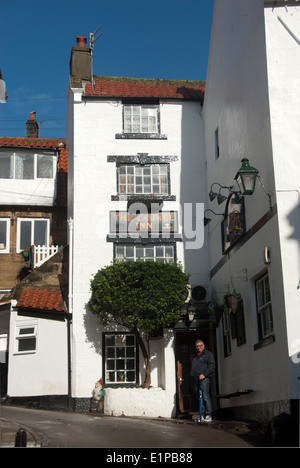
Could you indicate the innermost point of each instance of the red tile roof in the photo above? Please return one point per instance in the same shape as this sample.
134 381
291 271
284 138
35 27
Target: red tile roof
41 300
63 176
57 144
146 88
47 143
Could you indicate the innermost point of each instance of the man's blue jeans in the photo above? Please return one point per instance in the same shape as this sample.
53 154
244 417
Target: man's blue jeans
207 406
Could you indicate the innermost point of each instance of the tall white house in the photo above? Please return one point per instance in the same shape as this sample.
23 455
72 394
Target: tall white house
136 146
201 173
252 111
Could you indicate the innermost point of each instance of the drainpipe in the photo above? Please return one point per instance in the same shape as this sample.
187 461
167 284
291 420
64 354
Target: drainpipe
70 224
70 307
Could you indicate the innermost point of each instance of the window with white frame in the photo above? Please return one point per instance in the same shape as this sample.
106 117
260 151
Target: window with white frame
140 118
120 359
32 231
158 253
4 235
148 179
26 165
26 337
264 306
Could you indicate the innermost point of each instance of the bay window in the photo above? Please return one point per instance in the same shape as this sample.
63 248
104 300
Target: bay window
24 165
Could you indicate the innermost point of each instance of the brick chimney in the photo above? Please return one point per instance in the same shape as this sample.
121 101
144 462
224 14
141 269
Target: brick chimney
32 126
81 60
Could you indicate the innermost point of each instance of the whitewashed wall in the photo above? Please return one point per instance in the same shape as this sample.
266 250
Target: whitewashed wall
283 60
92 182
38 192
45 371
247 99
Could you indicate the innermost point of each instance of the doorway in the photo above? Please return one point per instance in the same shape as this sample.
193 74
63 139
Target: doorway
185 351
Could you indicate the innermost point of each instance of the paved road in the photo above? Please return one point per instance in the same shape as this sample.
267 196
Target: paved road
74 430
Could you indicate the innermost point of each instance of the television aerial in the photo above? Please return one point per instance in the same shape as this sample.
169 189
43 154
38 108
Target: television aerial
95 36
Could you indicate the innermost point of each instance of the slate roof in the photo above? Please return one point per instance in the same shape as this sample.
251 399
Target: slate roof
105 86
55 144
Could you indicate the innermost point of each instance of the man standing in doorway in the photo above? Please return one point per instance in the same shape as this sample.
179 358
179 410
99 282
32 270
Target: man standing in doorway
202 369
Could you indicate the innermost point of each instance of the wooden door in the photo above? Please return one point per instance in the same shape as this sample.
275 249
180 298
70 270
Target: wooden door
180 386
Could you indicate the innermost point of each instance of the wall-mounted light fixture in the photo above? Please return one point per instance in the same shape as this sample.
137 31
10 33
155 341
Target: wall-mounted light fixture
190 314
221 198
208 220
246 179
218 195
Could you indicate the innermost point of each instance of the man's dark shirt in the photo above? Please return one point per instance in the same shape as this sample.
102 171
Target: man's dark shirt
204 364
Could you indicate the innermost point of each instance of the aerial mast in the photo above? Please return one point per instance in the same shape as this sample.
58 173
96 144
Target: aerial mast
93 38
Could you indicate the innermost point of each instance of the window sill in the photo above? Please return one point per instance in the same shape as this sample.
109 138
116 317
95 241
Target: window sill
140 136
120 385
143 238
22 353
144 197
265 342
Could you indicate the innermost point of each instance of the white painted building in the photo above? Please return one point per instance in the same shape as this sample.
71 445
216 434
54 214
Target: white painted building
252 110
138 141
37 366
131 141
33 190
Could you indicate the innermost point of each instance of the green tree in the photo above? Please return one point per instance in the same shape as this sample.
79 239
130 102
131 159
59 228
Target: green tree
141 296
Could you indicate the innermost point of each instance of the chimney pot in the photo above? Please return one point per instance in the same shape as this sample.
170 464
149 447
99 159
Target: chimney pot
32 126
81 60
81 41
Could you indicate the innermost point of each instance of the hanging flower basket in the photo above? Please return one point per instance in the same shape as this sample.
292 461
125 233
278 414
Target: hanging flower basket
215 313
231 300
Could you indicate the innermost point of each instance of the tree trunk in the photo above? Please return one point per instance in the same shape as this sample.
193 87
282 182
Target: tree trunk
146 355
147 380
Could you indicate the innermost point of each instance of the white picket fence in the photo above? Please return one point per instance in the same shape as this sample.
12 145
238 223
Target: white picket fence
42 253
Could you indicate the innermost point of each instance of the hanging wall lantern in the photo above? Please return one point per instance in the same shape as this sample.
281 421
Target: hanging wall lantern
246 178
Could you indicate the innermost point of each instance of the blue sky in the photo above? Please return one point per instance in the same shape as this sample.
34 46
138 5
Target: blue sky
140 38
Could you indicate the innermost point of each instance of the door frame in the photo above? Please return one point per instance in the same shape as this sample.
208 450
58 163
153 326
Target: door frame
188 336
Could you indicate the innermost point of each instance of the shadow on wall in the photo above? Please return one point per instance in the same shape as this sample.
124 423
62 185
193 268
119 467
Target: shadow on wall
193 192
94 335
294 221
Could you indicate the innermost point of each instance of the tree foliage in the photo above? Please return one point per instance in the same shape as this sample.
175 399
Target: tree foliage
141 296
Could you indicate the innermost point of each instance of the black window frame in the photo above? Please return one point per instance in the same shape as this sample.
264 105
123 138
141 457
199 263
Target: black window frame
142 194
270 337
117 383
146 244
